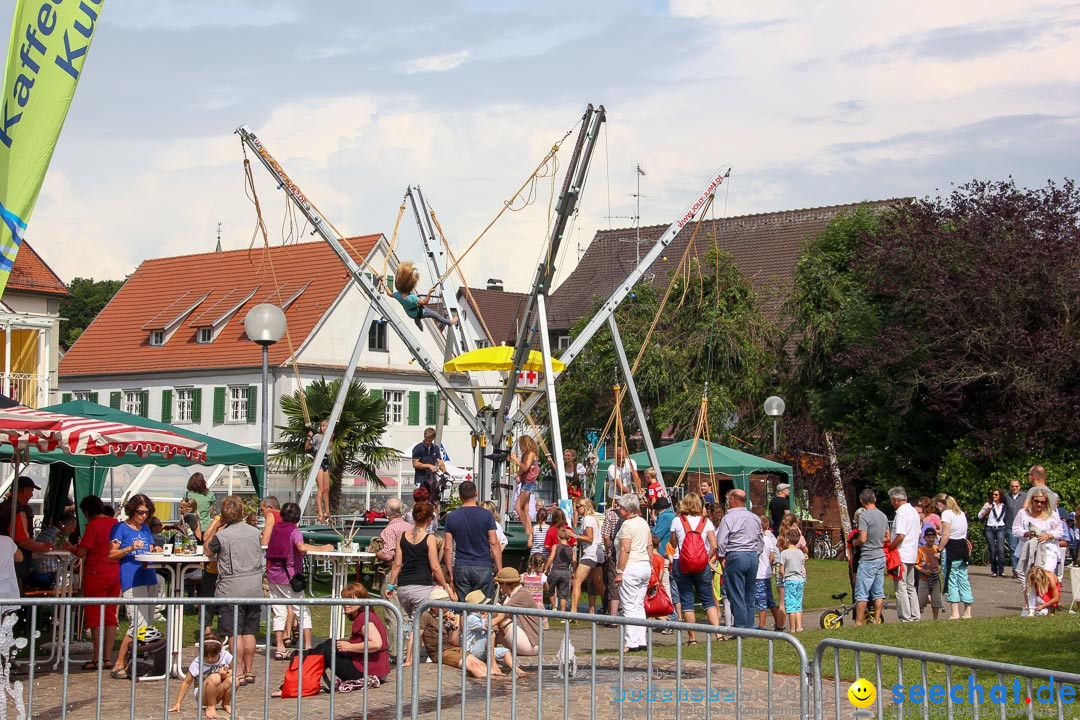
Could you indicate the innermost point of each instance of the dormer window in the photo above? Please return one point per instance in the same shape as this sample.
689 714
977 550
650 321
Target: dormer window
157 338
205 336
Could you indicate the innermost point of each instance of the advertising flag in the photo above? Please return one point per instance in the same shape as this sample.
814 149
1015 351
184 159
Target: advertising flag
49 42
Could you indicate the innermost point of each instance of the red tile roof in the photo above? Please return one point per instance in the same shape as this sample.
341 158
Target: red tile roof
765 247
499 308
118 341
31 274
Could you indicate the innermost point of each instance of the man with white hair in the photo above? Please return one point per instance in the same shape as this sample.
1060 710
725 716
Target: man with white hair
738 543
905 538
395 528
633 568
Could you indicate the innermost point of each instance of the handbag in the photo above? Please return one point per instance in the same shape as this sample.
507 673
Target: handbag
658 603
298 582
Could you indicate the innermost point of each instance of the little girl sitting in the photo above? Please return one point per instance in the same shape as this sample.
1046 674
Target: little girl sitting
406 279
215 667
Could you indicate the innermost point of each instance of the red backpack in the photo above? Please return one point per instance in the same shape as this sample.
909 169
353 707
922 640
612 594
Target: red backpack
314 667
693 557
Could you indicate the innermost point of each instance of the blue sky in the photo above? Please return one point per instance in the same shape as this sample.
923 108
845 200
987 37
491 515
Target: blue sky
811 103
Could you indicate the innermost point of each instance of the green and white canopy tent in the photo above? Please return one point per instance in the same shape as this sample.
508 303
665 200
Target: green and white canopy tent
89 472
707 457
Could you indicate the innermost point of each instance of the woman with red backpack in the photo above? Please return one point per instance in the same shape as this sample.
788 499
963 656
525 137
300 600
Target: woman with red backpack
694 537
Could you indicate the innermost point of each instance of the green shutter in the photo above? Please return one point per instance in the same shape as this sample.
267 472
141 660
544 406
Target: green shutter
114 400
375 394
145 402
65 397
253 403
431 412
93 397
414 408
219 405
196 405
166 406
390 282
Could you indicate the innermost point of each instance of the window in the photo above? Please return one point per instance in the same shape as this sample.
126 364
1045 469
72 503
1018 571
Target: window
237 405
395 406
483 344
157 337
562 342
206 335
133 402
376 337
84 395
184 405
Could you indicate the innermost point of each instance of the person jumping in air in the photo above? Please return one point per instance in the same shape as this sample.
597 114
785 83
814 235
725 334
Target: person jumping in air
406 279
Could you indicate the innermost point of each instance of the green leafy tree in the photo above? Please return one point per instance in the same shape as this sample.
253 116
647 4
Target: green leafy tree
356 446
88 297
711 331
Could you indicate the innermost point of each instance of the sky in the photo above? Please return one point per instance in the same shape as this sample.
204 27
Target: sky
810 103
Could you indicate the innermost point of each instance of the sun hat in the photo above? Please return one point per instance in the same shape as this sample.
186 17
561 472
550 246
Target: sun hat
508 575
477 597
439 594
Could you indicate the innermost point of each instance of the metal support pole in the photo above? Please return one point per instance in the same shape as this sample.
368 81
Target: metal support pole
335 413
631 387
266 416
774 438
553 408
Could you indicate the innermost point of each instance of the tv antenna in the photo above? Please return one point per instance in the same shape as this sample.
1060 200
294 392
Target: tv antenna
639 172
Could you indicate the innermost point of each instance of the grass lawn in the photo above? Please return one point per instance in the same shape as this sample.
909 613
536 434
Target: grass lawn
1044 642
823 578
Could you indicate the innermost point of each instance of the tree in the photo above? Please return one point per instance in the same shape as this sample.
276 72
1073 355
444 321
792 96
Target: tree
943 321
355 447
88 298
711 331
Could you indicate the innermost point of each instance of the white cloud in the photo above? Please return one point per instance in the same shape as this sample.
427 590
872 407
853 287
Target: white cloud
436 63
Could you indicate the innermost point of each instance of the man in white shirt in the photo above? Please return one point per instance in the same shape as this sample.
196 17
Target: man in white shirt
622 476
906 529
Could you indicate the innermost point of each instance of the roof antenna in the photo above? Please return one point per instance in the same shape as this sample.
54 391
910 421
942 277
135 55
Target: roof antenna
218 248
639 173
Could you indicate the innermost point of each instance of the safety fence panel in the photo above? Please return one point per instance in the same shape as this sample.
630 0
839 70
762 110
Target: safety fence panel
577 669
864 680
54 672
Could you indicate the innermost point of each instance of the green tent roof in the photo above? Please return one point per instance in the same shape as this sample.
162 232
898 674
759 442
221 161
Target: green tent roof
724 460
218 452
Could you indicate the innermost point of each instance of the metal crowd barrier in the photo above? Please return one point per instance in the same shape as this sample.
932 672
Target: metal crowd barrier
660 700
936 696
15 637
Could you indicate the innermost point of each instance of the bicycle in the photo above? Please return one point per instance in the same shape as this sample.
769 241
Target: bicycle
834 619
823 545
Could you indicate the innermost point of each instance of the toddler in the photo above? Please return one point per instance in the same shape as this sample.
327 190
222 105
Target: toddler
560 567
534 580
215 667
793 572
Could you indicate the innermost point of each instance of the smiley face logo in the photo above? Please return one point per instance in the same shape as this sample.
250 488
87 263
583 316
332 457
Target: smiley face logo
862 693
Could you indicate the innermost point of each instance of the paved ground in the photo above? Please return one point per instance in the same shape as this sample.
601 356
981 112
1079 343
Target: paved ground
541 694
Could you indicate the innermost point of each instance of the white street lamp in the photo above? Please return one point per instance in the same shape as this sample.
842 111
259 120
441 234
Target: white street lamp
265 324
774 408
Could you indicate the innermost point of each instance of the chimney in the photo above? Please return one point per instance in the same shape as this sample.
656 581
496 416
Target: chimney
495 284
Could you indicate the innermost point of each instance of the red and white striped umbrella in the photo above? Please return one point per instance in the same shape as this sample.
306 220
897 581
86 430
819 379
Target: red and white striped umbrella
48 431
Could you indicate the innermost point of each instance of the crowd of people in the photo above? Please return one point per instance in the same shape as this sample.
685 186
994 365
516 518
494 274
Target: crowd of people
739 567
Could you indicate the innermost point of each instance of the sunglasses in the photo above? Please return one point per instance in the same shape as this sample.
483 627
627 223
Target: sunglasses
142 512
1041 501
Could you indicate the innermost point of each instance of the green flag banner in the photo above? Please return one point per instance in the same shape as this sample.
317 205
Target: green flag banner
49 42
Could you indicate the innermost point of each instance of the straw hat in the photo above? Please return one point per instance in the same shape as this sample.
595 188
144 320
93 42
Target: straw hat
508 575
439 594
477 597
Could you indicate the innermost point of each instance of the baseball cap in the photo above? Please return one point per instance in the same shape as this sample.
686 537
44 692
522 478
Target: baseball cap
661 503
25 482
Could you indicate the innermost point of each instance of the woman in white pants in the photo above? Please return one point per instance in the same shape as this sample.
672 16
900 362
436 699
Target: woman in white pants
284 560
633 568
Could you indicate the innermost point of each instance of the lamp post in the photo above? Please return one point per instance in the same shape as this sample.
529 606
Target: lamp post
774 408
265 324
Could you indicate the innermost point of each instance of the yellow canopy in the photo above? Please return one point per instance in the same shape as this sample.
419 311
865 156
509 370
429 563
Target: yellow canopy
500 357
